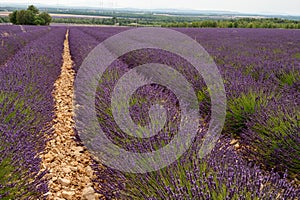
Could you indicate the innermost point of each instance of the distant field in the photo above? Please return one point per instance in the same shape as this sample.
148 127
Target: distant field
5 14
80 16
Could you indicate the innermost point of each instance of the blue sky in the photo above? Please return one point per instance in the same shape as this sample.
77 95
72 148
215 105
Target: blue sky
248 6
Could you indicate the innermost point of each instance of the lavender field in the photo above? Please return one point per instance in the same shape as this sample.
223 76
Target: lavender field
256 157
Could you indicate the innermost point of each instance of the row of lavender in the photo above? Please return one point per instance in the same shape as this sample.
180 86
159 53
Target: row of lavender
261 69
261 76
13 38
85 39
27 105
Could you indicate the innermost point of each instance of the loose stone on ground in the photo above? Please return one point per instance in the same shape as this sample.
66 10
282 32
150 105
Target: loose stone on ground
68 163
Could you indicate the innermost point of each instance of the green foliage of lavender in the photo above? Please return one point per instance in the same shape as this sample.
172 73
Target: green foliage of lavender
242 108
274 136
19 114
222 175
26 113
288 77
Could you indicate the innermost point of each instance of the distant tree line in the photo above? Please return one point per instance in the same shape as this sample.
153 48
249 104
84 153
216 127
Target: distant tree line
81 20
221 23
31 16
239 23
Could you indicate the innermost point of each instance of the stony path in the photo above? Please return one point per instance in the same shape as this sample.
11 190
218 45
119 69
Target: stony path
68 162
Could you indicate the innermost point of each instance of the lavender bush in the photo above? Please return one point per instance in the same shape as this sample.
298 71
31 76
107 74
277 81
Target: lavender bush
243 107
273 136
222 175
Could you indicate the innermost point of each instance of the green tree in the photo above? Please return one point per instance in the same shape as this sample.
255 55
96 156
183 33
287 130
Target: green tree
31 16
13 17
33 9
46 17
20 17
235 24
38 20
